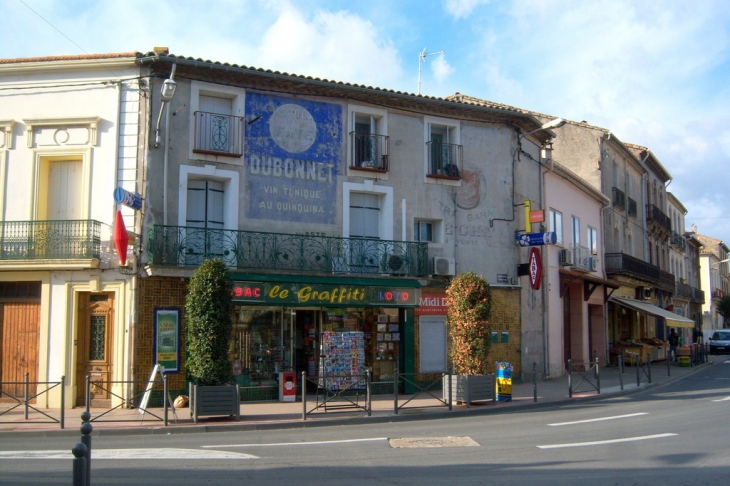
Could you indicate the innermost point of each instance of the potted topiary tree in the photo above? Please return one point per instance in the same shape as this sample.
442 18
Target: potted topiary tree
468 308
208 319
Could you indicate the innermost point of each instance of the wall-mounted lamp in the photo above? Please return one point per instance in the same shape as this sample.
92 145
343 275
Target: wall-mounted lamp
556 123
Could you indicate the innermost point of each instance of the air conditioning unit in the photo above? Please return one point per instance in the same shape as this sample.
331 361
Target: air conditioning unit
592 264
444 266
566 258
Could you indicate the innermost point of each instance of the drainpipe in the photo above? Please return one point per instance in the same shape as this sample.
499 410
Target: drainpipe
545 266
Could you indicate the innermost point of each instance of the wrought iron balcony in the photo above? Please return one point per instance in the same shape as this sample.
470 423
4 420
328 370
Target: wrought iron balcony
180 246
583 259
698 296
666 281
632 207
717 294
218 134
619 198
683 290
46 240
444 160
678 242
622 264
369 151
656 216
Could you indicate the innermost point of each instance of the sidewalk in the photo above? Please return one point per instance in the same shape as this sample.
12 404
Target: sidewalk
278 415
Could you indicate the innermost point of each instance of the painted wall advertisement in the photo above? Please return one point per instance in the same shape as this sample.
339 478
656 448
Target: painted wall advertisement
167 338
294 154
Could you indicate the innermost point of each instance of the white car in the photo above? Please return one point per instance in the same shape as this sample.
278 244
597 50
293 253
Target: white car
720 342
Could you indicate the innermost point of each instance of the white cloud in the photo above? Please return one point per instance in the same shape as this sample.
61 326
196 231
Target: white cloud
462 8
441 68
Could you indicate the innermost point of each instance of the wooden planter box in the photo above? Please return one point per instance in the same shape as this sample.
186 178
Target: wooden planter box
214 400
469 388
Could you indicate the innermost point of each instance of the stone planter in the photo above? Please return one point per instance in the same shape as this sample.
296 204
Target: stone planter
469 388
214 400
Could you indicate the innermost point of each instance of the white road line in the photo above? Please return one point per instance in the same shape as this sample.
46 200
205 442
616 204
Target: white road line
277 444
128 454
604 442
722 399
599 419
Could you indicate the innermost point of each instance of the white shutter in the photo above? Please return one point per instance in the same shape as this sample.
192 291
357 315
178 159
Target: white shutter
65 194
364 215
214 104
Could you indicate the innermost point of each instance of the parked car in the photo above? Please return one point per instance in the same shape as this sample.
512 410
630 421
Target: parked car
720 342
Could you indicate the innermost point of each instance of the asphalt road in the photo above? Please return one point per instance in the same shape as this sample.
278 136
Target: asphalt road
675 434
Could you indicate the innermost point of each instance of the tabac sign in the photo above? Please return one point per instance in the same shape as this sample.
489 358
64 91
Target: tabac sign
326 295
535 267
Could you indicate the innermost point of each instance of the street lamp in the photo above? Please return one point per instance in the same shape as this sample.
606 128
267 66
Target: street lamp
556 123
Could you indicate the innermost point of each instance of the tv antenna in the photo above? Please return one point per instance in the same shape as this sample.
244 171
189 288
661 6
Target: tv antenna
422 58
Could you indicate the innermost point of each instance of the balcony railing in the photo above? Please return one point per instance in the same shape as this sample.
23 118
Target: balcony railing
683 290
698 296
656 216
179 246
370 152
632 209
44 240
218 134
583 259
619 198
666 281
622 264
444 160
678 241
717 294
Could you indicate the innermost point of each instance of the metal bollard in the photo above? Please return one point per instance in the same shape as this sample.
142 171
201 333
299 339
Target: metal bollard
25 395
86 429
79 464
304 395
598 377
369 394
534 381
395 392
570 378
621 367
165 403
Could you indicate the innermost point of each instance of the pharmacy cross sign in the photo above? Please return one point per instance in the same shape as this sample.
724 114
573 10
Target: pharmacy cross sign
535 266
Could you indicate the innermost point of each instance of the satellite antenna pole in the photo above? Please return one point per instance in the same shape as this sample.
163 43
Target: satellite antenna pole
422 58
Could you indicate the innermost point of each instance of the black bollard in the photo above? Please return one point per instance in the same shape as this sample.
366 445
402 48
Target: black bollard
534 381
86 429
79 451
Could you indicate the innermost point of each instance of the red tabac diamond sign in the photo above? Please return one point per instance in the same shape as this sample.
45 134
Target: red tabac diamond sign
121 238
535 266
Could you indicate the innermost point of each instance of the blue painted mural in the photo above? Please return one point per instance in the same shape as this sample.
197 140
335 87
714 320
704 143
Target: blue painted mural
293 156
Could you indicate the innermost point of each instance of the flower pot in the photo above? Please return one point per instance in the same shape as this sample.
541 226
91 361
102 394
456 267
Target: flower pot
469 388
214 400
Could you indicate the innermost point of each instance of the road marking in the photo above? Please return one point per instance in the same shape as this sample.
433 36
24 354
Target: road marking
722 399
604 442
127 454
599 419
278 444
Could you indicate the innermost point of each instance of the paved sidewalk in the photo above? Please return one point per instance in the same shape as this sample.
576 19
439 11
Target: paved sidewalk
277 415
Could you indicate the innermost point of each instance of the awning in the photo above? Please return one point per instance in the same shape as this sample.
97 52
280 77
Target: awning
671 318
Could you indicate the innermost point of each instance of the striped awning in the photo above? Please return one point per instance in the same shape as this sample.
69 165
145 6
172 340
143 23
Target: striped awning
672 319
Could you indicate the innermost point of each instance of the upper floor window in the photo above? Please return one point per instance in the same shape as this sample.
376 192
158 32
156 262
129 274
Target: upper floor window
369 143
556 225
593 240
575 229
423 231
217 128
443 148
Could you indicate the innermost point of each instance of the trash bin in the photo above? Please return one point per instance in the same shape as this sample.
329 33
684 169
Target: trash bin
287 386
684 361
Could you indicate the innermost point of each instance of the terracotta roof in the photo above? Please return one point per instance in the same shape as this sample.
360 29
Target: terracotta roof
80 57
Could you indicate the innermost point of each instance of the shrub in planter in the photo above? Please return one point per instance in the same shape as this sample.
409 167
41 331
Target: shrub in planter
209 322
468 304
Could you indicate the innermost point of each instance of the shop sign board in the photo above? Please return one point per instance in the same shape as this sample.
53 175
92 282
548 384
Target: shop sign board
536 239
431 305
504 381
323 294
535 267
167 339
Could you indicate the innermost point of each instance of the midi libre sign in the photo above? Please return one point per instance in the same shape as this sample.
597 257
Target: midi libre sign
323 294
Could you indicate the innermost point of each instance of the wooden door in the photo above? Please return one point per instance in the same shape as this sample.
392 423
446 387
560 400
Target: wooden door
19 328
94 352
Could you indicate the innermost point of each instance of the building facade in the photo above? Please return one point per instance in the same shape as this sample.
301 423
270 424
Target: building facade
69 136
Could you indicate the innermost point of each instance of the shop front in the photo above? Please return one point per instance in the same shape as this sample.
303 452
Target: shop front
319 326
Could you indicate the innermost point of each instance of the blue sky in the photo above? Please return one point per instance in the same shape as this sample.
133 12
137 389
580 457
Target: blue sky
656 73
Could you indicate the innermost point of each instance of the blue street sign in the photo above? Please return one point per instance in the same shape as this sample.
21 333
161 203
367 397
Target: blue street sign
129 199
536 239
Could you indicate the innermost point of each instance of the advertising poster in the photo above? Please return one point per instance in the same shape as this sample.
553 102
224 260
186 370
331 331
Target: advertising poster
293 156
504 381
167 338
